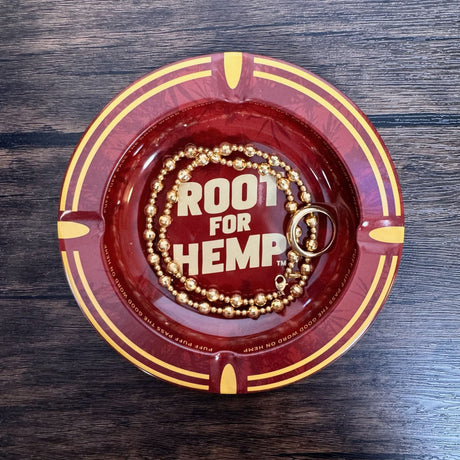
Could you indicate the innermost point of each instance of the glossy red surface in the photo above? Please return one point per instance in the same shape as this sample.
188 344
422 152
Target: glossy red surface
281 109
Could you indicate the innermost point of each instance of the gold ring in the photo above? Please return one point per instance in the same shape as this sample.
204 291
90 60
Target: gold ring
294 223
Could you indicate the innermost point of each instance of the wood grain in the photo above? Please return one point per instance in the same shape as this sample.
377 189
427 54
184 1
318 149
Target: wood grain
67 394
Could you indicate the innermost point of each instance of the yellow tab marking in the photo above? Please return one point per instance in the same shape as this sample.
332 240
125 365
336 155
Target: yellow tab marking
67 230
233 64
388 234
228 380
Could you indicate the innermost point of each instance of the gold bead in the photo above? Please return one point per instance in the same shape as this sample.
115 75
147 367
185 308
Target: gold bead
306 269
173 267
212 295
293 175
150 210
204 308
163 245
157 186
260 299
253 312
165 220
305 197
225 149
172 196
236 300
277 305
203 159
239 164
312 245
250 150
165 281
296 290
215 157
293 256
298 232
169 164
274 160
311 221
149 235
184 175
229 312
264 169
282 184
190 151
291 206
190 284
182 297
153 259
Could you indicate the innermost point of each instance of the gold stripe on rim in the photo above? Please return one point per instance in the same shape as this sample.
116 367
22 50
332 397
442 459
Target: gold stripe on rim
350 107
125 339
119 117
343 120
111 107
343 348
331 343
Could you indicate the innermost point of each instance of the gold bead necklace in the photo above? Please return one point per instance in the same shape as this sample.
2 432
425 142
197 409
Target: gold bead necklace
169 271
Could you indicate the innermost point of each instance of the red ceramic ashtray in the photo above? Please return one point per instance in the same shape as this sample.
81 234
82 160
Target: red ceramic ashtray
241 99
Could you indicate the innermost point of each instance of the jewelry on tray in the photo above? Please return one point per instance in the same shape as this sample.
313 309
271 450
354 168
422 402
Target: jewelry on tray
208 301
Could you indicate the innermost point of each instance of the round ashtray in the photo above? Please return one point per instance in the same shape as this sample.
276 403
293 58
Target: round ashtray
231 235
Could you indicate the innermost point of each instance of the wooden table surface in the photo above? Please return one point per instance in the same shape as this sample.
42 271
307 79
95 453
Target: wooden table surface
64 393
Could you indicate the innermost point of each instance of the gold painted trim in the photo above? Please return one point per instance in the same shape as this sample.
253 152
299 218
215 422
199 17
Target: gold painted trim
356 335
111 107
112 326
67 230
343 120
228 383
233 65
119 117
331 343
362 121
388 234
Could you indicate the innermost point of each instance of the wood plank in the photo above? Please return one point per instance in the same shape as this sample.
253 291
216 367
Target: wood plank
76 57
